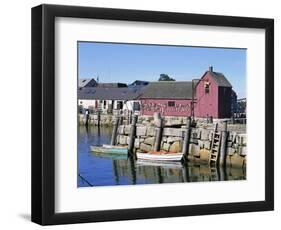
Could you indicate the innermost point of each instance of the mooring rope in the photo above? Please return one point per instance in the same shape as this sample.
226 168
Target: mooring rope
85 180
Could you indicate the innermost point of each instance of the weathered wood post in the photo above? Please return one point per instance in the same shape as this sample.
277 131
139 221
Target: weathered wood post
222 157
98 118
130 115
222 173
186 139
133 134
185 173
114 131
115 172
87 118
159 130
133 170
121 119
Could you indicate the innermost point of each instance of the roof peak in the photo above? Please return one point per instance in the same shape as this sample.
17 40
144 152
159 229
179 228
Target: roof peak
220 79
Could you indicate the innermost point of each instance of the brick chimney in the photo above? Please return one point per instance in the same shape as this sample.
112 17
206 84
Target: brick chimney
211 68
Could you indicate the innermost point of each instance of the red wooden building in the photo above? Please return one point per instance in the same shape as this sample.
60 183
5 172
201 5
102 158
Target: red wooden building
211 95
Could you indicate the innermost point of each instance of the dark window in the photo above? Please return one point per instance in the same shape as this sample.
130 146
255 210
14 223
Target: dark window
171 103
120 105
207 87
136 106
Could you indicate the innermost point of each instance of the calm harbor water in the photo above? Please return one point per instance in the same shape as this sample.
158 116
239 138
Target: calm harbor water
100 170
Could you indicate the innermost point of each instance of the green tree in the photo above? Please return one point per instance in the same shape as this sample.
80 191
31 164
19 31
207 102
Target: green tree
165 77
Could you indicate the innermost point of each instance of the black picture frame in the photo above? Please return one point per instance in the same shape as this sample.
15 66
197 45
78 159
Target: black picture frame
43 114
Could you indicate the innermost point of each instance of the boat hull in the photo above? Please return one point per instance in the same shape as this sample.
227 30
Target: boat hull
109 149
160 157
111 156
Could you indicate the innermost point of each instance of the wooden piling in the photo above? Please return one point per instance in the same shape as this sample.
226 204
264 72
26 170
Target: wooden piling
223 147
215 127
233 119
185 173
129 117
98 118
186 139
114 131
159 131
121 119
132 134
222 173
87 119
157 119
133 169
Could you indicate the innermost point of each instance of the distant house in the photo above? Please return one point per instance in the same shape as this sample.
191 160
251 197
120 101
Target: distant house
139 83
241 106
91 82
211 95
109 99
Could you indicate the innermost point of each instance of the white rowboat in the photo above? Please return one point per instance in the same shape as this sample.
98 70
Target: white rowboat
160 156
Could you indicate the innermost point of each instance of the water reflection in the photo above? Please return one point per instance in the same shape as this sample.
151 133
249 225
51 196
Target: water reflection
105 169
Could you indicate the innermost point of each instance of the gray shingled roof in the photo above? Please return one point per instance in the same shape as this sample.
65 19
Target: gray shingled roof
220 79
111 85
96 93
168 90
85 82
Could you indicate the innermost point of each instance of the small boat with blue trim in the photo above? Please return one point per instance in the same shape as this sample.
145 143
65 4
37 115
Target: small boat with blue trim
112 156
110 149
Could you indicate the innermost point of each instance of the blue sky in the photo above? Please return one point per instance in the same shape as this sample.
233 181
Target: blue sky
128 62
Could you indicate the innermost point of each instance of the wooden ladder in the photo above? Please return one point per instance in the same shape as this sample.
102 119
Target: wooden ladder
215 146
